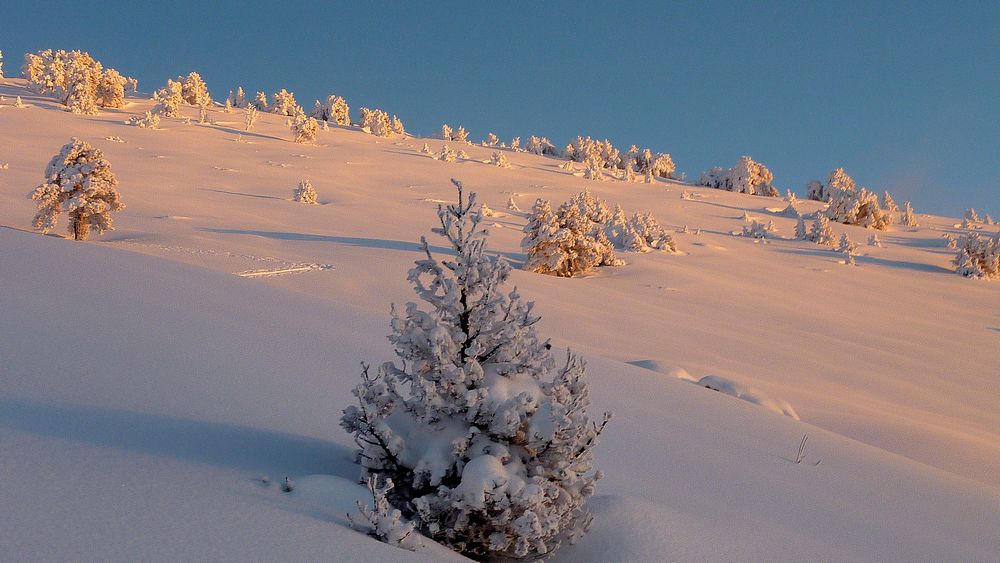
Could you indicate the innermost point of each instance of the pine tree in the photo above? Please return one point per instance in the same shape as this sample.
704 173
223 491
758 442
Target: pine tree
260 101
194 90
78 181
909 218
489 473
821 232
285 104
499 160
168 99
460 135
305 193
800 229
972 216
1 65
446 132
890 207
251 116
447 154
491 140
304 128
816 191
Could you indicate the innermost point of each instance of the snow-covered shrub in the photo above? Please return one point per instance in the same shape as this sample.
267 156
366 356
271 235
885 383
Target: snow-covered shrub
584 149
988 220
662 165
491 140
978 256
376 122
758 230
426 149
541 145
228 108
485 211
564 243
748 176
857 207
447 154
644 234
251 116
78 181
382 521
908 218
304 128
284 103
499 159
111 89
305 193
150 120
335 110
168 99
816 191
194 90
488 443
821 232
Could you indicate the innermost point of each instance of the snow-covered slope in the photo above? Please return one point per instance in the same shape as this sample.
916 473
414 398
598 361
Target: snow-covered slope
145 388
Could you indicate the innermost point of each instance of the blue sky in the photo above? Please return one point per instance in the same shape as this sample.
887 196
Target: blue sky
904 96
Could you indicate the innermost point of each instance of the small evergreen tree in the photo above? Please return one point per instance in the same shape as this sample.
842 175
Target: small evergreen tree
815 190
821 232
78 181
260 101
978 256
304 128
446 132
168 99
499 160
800 229
460 135
251 116
285 104
909 218
490 473
194 90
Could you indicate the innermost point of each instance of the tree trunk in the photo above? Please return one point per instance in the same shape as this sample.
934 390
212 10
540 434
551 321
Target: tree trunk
81 228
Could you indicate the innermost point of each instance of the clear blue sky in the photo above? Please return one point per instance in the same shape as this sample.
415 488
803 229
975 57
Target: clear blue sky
904 96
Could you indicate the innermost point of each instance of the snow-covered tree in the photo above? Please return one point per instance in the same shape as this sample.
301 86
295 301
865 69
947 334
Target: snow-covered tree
396 125
839 180
304 128
978 256
845 245
260 101
748 176
541 145
251 116
792 209
644 234
988 220
564 243
460 135
447 154
305 193
515 144
491 140
800 229
499 159
874 241
335 110
284 104
486 471
816 191
194 90
512 205
18 103
972 216
168 99
1 65
81 83
890 207
78 181
228 108
376 122
663 166
821 232
857 207
446 132
426 149
908 218
758 230
240 99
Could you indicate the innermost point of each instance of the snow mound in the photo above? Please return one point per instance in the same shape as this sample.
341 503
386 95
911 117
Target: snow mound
746 393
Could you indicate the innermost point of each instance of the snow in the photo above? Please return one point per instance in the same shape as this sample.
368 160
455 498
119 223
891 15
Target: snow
147 386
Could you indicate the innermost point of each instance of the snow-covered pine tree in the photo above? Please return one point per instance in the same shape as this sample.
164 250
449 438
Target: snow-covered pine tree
203 113
376 122
490 473
543 241
541 145
397 125
987 219
80 82
260 101
792 209
251 116
663 166
111 89
617 227
908 218
800 229
890 207
305 193
499 159
228 108
629 173
512 205
839 180
240 101
194 91
748 176
18 103
594 170
426 149
78 181
285 104
447 154
758 230
821 232
304 129
845 245
491 140
168 99
857 207
978 256
816 191
1 65
460 135
382 521
972 216
446 132
150 120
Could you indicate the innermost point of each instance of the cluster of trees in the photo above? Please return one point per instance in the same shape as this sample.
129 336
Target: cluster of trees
748 176
80 82
335 111
859 206
378 123
971 219
599 156
459 135
490 473
583 234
